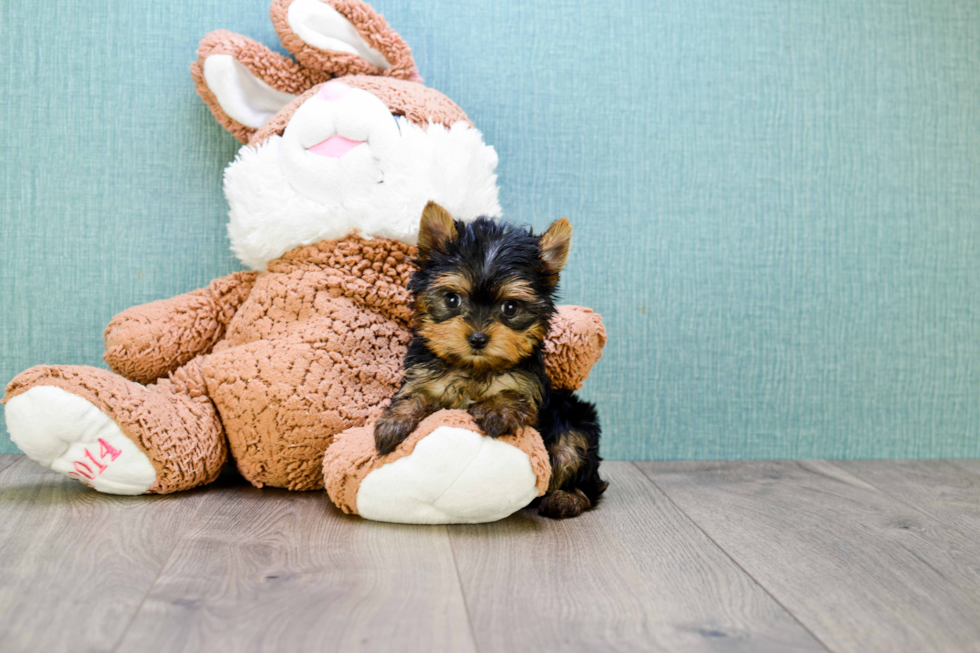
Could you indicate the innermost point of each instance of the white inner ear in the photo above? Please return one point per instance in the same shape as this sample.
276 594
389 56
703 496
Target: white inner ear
323 27
242 95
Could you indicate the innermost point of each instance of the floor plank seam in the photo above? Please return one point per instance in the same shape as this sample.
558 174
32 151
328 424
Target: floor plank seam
139 608
9 460
156 579
735 562
899 499
955 462
462 592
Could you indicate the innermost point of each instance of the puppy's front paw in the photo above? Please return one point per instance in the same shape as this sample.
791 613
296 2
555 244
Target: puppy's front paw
391 430
496 420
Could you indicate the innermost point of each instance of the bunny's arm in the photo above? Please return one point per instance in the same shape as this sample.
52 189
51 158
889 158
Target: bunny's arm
573 346
146 342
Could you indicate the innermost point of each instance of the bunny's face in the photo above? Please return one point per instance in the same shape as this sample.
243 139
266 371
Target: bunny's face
337 144
328 155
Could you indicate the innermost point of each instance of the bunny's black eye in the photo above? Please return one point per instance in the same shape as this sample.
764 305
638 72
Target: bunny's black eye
509 308
452 300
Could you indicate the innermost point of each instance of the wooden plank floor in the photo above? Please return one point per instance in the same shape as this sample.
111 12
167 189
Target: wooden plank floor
737 556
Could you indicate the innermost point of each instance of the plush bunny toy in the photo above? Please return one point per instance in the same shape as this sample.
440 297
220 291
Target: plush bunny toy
343 148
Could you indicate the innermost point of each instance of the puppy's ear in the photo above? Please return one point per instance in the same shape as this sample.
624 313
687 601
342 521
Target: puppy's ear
436 229
555 244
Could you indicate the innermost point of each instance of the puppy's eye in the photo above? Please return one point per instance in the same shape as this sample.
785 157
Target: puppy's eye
509 308
452 300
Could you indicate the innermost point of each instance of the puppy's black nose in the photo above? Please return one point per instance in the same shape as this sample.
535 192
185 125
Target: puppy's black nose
478 340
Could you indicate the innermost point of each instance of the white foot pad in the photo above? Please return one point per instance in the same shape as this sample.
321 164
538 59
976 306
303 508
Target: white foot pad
454 476
70 435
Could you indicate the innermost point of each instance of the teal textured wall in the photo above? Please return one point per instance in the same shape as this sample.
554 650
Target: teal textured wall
776 202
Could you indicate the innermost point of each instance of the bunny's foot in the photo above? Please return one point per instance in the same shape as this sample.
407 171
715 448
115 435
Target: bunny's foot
445 472
114 435
70 435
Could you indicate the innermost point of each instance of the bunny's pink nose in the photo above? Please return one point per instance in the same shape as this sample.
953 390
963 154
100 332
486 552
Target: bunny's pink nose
332 91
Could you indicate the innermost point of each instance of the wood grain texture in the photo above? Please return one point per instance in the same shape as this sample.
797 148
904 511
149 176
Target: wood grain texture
941 489
740 556
74 564
862 570
970 465
633 575
271 570
8 459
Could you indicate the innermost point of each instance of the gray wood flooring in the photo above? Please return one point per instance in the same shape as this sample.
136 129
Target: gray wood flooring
858 556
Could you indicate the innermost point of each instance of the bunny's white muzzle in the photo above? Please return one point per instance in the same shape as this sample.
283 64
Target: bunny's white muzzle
343 164
337 143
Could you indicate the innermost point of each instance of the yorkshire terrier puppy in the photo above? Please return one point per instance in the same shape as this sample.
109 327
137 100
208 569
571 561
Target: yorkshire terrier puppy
484 296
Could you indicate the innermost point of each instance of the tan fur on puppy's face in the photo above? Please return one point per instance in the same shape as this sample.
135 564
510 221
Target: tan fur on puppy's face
446 339
456 282
517 289
507 347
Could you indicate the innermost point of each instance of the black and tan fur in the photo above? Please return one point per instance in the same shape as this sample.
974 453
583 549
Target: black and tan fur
483 301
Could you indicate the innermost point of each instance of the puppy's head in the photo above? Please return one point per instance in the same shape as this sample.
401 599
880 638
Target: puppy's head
484 291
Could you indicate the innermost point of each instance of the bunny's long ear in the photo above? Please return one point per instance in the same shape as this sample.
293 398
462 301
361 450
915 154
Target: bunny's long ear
245 83
343 37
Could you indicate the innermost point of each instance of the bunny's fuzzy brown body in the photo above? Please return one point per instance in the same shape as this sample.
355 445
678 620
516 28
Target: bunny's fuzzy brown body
296 354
